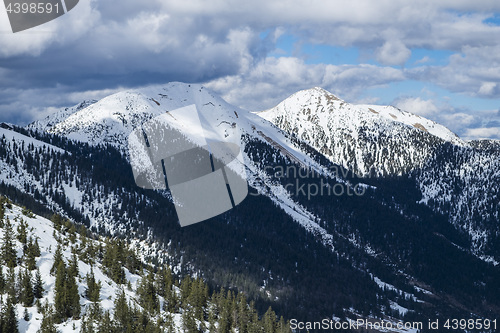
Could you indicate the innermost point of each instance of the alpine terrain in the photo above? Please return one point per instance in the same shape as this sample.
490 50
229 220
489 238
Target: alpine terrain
354 212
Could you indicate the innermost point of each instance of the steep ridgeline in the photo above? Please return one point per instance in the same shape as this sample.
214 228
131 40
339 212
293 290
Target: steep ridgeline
111 120
56 276
57 117
360 137
310 254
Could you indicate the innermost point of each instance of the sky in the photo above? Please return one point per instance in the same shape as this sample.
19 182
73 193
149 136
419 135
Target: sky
439 59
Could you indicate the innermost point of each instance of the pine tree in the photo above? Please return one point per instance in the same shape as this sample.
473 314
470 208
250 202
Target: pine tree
73 298
269 321
58 258
2 280
57 220
254 325
22 234
189 322
113 261
147 293
26 315
225 323
26 212
10 323
26 295
88 251
242 309
67 299
198 297
9 254
29 254
106 325
171 301
72 234
36 248
185 290
87 326
38 287
73 266
164 282
121 311
93 290
212 328
283 327
11 286
60 293
168 325
48 322
2 209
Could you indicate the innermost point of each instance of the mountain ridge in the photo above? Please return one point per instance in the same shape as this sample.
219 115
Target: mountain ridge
355 136
367 140
361 244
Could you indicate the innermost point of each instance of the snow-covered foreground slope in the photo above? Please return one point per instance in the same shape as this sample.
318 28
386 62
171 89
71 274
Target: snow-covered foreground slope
41 314
152 302
359 137
43 230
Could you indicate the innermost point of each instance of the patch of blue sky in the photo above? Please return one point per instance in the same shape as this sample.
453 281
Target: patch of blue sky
463 101
289 45
388 93
285 46
422 57
493 20
328 54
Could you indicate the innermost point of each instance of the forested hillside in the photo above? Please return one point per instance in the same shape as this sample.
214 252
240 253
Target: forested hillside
57 276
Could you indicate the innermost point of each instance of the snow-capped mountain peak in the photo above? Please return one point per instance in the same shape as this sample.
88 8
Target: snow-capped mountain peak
359 137
112 119
55 118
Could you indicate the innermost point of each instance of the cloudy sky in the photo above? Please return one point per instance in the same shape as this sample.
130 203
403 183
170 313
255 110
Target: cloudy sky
439 59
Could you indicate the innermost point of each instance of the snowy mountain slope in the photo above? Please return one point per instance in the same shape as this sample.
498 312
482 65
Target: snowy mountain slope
21 139
112 119
87 185
463 182
359 137
12 173
43 230
52 119
48 235
176 303
456 178
383 230
34 167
